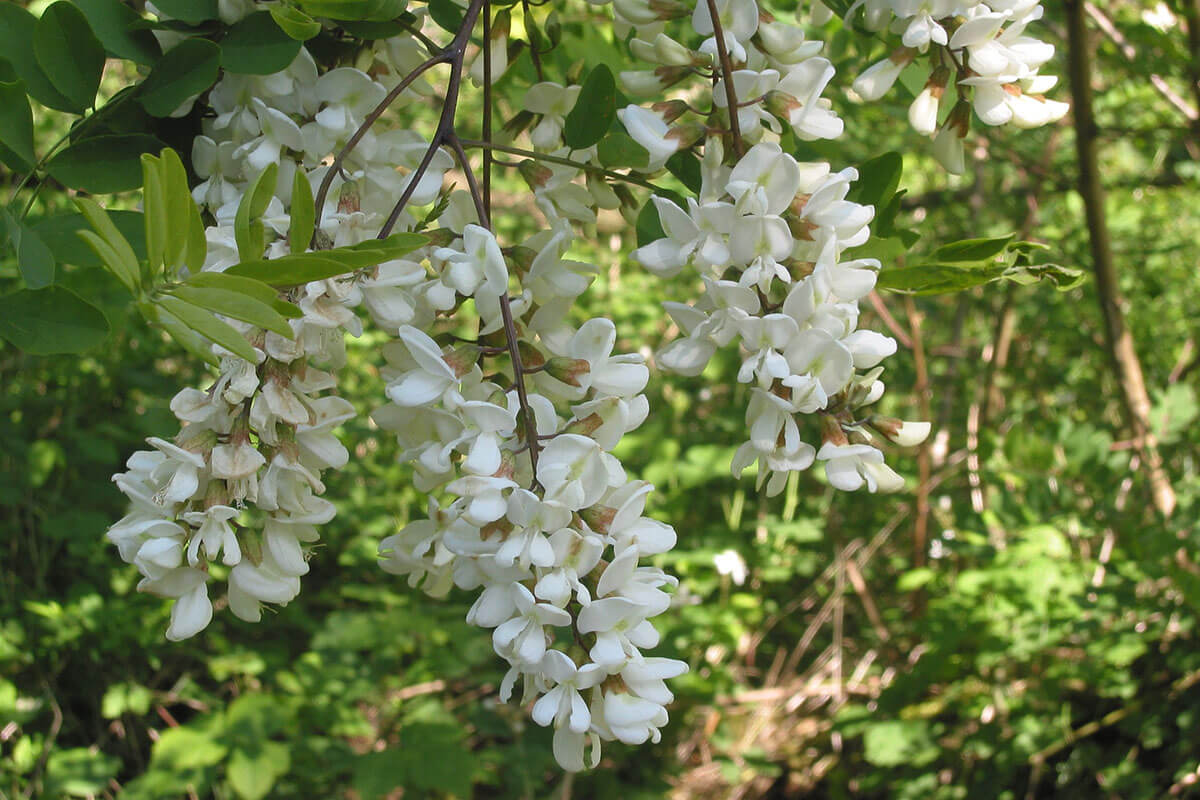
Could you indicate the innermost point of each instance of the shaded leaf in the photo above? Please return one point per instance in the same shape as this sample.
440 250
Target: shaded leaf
103 164
256 45
111 21
34 258
971 250
183 72
16 123
51 320
878 179
192 12
618 149
303 213
594 111
17 28
69 53
60 231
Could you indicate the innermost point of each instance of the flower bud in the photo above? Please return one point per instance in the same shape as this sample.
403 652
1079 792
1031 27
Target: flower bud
531 357
878 78
535 174
922 114
670 110
905 434
598 518
462 359
831 430
568 370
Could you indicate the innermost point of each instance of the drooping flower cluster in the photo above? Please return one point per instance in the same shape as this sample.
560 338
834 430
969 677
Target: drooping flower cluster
536 513
512 430
983 47
240 486
766 236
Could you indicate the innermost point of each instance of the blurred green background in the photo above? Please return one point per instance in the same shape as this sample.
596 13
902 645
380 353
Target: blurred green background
1019 623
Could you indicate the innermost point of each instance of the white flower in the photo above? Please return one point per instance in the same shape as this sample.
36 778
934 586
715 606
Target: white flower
731 563
850 466
563 705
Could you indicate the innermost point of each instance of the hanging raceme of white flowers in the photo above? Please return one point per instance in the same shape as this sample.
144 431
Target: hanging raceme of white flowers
511 435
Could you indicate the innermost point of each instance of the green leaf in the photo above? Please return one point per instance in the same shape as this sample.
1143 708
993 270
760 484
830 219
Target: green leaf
877 181
111 260
17 27
192 12
303 213
183 248
894 743
921 279
886 250
292 270
649 227
300 268
594 111
16 123
248 228
256 45
295 23
125 697
111 21
183 72
686 167
252 774
155 216
375 251
69 53
117 254
208 326
236 305
618 149
430 756
446 14
246 286
78 772
359 9
60 231
51 320
182 335
34 258
186 748
971 251
103 164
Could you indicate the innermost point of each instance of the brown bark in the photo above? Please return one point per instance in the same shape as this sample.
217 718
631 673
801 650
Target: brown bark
1121 348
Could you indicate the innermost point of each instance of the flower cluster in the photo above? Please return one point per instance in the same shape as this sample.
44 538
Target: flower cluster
766 236
535 511
240 486
983 46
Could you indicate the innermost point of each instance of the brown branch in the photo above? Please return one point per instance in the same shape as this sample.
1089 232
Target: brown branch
1118 338
726 77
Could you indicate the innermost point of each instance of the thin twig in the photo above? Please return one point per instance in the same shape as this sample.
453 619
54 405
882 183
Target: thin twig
454 55
731 100
336 167
566 162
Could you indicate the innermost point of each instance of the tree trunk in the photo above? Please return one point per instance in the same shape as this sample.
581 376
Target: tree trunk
1121 349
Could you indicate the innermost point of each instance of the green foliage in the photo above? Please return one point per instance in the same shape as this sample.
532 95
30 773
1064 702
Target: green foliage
594 111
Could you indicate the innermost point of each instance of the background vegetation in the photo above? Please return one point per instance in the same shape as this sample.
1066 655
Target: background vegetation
1022 623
